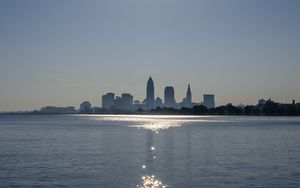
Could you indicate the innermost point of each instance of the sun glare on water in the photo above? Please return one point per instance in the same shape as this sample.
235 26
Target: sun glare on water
151 182
151 123
157 125
154 123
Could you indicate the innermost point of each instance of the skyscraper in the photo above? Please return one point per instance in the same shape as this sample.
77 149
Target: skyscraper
150 94
108 100
125 102
169 97
187 101
189 94
209 101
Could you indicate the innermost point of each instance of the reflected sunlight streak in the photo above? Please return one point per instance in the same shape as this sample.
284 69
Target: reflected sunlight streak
152 122
151 182
155 126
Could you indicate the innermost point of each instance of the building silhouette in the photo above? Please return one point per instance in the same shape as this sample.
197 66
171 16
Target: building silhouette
158 102
125 102
113 104
149 102
58 110
85 106
189 95
108 100
169 97
261 104
187 101
209 100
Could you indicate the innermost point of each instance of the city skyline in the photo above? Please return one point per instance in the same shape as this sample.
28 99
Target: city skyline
61 53
152 101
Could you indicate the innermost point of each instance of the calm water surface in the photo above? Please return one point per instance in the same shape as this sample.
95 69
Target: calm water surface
144 151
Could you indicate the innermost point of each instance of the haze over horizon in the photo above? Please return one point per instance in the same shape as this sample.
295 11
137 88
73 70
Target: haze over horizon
61 53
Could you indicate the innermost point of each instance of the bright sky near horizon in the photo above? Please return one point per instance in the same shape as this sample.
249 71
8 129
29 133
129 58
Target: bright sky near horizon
62 52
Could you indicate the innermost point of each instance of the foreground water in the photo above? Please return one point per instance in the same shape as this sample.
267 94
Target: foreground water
144 151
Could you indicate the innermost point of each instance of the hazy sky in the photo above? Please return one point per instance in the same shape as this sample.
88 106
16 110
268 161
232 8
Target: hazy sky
60 52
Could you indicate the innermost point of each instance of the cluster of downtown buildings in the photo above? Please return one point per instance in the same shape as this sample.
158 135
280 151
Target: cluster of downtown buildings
125 102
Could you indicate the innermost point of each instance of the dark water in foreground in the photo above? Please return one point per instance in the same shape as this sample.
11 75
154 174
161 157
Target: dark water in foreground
125 151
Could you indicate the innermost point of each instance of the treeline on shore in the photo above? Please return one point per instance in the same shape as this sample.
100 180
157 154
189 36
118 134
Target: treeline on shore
270 108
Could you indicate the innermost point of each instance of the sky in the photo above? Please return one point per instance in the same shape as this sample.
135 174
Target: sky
63 52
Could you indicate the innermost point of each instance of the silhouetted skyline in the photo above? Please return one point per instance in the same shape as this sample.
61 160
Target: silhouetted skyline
152 101
61 53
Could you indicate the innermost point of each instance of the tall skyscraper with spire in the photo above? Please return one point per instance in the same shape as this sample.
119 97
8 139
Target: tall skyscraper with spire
189 95
150 94
187 101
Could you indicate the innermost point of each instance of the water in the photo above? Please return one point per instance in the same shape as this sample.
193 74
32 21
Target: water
144 151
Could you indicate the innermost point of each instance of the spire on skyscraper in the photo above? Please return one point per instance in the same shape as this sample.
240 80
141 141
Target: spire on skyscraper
189 94
187 101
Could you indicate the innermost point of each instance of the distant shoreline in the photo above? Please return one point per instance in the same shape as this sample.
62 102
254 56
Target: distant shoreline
146 114
270 108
